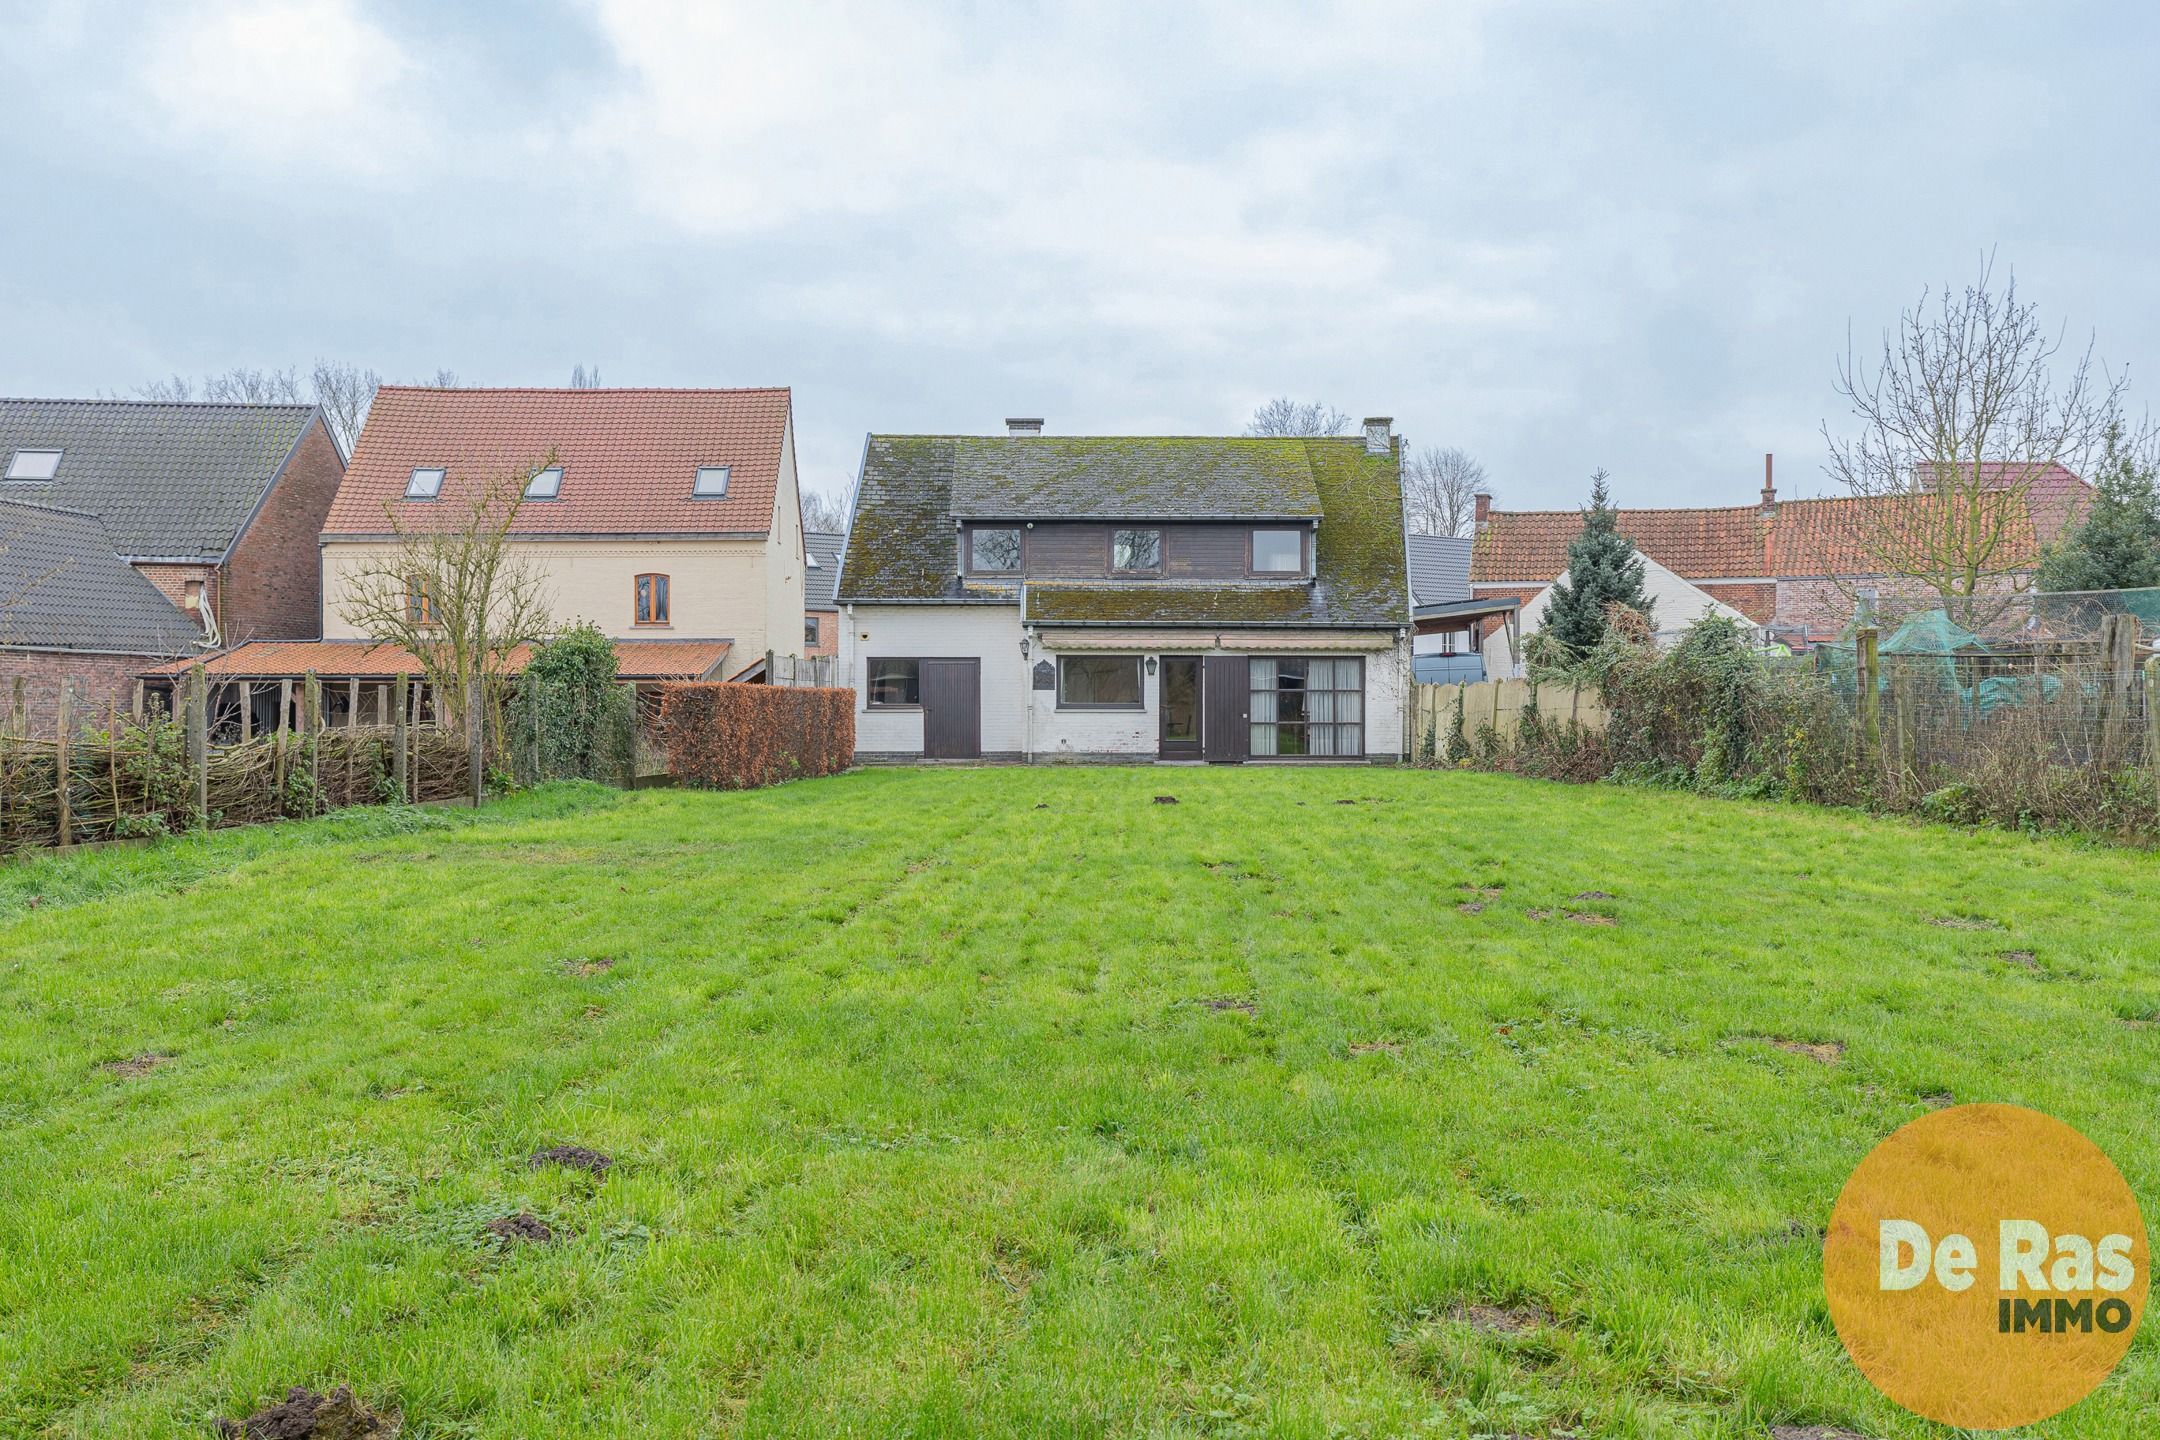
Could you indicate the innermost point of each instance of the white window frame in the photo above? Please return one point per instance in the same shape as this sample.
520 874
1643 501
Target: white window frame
16 467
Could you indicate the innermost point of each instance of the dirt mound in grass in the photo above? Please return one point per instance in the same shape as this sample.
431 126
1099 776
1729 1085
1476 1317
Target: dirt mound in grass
1813 1432
1501 1319
1166 799
134 1068
1824 1052
572 1157
1472 907
597 965
1242 1004
305 1415
2023 959
522 1226
1595 895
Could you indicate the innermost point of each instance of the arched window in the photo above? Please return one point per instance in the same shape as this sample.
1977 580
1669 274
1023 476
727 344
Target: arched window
652 600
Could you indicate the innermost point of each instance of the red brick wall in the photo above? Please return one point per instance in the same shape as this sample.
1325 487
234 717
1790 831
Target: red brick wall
828 633
273 582
1757 602
93 680
172 581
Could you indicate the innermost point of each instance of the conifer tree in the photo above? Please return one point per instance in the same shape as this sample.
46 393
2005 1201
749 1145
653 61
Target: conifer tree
2116 546
1603 569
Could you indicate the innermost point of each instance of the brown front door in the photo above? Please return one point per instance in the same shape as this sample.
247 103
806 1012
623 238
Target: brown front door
1225 704
952 709
1178 702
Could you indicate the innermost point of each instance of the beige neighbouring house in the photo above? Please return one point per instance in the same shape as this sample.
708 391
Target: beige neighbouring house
668 515
669 519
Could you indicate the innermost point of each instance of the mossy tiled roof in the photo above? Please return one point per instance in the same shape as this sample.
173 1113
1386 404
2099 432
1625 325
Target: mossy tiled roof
902 545
1113 603
1131 477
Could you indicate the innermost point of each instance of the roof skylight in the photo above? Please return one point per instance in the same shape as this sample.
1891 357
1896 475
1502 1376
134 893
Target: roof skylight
34 465
711 481
425 484
545 484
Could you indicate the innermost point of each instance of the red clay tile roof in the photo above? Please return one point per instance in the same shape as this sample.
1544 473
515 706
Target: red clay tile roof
343 659
1802 537
628 457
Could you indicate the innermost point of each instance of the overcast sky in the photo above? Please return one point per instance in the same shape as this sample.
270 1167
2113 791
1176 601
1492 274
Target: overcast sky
1558 235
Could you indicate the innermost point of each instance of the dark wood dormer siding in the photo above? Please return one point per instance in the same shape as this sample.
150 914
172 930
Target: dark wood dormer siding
1063 550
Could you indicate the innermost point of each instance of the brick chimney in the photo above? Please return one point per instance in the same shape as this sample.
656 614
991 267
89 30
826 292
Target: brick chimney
1023 425
1769 488
1481 509
1379 434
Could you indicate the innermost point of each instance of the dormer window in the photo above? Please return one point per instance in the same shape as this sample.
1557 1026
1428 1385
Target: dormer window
34 465
994 552
425 483
1278 552
545 484
711 482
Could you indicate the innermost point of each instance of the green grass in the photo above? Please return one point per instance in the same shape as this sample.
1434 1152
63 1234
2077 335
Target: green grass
1010 1102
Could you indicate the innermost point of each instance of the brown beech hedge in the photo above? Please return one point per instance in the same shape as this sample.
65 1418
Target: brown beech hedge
726 736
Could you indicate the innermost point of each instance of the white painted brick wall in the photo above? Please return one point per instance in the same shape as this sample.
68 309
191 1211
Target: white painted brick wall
1015 716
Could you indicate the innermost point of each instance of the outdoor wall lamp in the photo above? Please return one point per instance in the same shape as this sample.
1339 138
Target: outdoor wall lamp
1151 664
1023 647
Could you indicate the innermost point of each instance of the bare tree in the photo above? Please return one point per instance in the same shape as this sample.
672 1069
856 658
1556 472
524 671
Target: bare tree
828 511
450 589
443 380
344 392
1970 402
1440 486
239 385
582 378
1284 416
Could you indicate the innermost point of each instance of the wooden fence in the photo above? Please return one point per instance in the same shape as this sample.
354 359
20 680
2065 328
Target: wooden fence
125 776
1498 704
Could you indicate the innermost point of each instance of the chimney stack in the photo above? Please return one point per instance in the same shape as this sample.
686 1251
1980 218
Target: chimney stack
1769 489
1023 425
1481 508
1379 434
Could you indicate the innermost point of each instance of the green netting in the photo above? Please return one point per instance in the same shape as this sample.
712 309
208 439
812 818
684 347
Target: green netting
1931 632
2078 613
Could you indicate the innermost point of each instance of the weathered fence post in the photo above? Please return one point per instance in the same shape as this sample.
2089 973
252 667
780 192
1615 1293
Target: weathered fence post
2152 721
401 703
475 736
1901 715
1869 666
198 739
63 722
311 728
2118 658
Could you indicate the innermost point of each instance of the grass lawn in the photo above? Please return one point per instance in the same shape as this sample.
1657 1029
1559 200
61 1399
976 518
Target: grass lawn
1011 1102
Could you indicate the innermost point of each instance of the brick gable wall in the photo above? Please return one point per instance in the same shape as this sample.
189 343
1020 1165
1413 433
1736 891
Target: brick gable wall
273 581
94 682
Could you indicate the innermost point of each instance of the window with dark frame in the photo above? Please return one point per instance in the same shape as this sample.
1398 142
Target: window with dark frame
711 482
545 484
894 684
810 630
425 483
994 552
1099 682
1278 552
1306 706
652 600
1136 550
